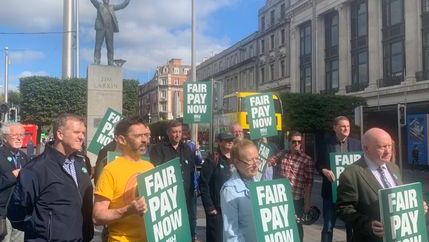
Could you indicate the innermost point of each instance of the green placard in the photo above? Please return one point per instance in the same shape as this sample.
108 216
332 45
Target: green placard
265 152
261 116
104 133
339 161
167 215
198 102
402 213
273 211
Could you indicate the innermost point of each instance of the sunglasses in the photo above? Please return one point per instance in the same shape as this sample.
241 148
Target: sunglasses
296 141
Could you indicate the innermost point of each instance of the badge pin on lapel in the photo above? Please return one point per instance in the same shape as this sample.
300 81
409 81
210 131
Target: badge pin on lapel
186 161
9 159
84 170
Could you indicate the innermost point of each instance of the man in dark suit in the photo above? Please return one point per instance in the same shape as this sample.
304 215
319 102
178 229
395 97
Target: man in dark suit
357 202
106 24
11 161
340 142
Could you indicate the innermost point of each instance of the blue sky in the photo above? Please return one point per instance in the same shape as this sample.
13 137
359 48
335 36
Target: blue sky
151 32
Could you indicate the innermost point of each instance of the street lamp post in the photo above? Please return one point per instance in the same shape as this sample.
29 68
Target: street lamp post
194 70
6 78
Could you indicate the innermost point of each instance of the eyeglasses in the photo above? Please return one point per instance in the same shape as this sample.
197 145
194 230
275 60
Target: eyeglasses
252 162
17 135
295 141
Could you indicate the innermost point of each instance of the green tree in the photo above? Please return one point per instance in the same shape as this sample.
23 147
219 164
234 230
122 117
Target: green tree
130 97
313 113
44 98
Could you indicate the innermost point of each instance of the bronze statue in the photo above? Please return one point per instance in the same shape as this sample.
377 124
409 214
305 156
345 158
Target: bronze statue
105 25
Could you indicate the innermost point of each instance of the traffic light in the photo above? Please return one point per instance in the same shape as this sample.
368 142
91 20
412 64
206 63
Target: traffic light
402 114
12 114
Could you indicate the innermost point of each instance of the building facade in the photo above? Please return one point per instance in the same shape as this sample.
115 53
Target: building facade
375 49
162 97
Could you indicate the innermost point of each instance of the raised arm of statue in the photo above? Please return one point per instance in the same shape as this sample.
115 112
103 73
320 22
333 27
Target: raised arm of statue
120 6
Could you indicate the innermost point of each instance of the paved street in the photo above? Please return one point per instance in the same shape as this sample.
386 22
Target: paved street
312 232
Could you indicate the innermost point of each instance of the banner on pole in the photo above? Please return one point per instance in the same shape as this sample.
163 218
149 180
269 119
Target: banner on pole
105 131
402 213
273 211
339 161
167 216
198 102
260 115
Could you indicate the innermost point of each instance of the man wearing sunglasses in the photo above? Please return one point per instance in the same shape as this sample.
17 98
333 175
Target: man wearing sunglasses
339 142
298 168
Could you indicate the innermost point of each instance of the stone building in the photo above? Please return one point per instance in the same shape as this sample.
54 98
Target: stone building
162 97
376 49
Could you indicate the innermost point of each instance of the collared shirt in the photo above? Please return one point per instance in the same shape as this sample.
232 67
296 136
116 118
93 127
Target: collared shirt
341 146
15 157
298 168
238 222
373 168
70 169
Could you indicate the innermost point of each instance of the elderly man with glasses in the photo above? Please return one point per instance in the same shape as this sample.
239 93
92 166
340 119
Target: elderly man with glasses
298 168
11 161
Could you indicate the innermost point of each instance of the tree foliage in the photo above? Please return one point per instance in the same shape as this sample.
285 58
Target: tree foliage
44 98
130 97
313 113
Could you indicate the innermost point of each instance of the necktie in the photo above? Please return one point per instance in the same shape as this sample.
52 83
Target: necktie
69 168
384 180
16 162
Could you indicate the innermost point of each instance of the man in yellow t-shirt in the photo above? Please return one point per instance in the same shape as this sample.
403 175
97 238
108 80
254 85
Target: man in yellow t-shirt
116 203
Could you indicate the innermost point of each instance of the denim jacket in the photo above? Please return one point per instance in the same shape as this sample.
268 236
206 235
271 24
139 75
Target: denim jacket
238 222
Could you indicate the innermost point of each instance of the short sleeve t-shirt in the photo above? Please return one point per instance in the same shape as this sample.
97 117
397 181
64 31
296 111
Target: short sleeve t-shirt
118 183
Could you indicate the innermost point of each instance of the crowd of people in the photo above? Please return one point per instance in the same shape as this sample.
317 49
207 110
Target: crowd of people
51 197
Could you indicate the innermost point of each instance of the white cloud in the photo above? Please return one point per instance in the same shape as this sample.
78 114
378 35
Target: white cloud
31 73
151 32
18 56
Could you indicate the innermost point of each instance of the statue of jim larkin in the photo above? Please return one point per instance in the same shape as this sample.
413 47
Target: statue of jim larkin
105 25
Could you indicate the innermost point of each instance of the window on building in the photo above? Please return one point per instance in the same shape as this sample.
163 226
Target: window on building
176 82
272 42
176 70
272 16
331 52
305 57
164 107
359 45
185 71
282 68
282 37
282 11
425 6
425 40
262 46
272 77
332 80
163 81
426 55
262 74
163 94
263 23
393 42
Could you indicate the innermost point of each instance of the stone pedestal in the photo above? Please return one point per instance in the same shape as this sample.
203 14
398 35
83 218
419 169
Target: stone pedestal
104 91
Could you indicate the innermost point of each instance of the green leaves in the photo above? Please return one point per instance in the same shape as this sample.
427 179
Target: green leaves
44 98
311 113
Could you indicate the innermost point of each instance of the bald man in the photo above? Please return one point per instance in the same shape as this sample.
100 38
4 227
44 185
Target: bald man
357 202
236 130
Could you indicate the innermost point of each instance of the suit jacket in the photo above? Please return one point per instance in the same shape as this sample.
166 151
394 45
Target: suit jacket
7 179
323 160
107 12
357 198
